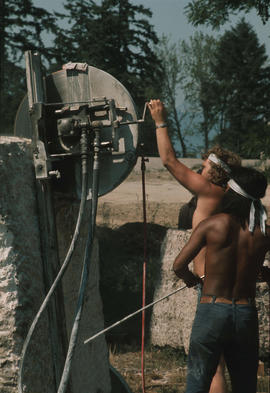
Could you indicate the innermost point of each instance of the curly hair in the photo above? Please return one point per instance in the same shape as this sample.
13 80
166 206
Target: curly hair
218 175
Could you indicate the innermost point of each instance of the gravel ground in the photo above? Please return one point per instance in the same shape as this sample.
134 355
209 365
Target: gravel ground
160 186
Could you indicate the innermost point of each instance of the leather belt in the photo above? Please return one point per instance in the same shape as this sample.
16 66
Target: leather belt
219 299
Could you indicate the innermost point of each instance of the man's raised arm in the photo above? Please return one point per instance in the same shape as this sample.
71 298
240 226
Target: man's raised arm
191 180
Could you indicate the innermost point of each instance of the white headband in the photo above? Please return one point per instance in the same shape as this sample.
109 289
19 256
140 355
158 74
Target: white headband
263 216
212 157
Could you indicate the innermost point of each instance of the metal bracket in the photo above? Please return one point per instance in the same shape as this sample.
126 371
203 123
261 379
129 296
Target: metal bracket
41 163
66 125
34 78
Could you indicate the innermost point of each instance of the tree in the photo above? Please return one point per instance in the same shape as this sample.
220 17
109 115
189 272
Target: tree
21 28
117 37
242 91
171 56
14 90
188 70
198 55
217 12
114 36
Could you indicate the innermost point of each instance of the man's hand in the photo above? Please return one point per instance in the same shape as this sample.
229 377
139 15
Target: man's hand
157 111
191 279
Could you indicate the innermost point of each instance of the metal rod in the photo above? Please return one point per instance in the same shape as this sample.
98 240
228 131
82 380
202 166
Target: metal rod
144 268
134 313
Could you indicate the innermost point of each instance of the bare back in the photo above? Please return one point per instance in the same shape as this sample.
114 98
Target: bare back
234 257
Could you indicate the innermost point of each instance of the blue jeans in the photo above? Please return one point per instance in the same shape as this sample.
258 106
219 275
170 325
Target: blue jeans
231 329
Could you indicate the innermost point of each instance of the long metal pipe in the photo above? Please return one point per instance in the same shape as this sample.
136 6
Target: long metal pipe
134 313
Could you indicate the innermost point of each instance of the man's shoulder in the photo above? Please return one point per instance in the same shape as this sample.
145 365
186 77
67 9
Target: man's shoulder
211 191
209 201
218 227
219 220
225 217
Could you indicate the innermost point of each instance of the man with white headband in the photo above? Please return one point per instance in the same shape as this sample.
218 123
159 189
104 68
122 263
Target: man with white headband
260 209
226 322
209 187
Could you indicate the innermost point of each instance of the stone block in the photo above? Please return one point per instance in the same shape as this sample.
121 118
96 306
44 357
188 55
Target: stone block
21 280
22 285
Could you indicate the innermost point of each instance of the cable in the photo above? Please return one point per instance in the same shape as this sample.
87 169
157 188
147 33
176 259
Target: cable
85 271
134 313
65 263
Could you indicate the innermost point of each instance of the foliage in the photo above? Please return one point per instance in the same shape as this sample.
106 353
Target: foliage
170 54
241 90
188 69
217 12
21 28
115 36
14 89
226 85
198 55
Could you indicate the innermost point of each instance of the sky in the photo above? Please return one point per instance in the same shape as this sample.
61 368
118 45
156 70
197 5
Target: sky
169 18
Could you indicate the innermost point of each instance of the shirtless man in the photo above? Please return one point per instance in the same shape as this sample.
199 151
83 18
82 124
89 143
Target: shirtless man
209 186
236 242
208 189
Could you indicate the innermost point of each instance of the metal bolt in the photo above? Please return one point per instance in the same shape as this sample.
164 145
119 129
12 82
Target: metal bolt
56 173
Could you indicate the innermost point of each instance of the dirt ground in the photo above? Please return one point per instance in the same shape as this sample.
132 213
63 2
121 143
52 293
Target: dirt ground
164 370
164 197
160 185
